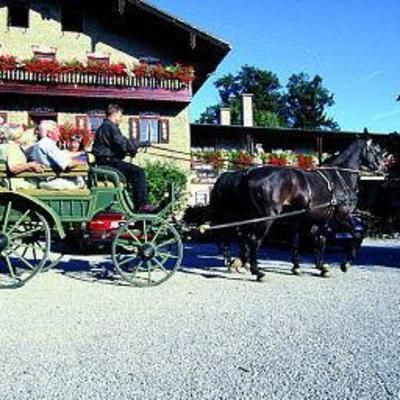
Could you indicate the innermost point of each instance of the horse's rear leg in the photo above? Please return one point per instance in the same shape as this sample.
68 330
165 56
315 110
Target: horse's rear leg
226 252
295 250
255 242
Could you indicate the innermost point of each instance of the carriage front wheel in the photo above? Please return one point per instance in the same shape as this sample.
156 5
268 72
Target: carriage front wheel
147 251
24 244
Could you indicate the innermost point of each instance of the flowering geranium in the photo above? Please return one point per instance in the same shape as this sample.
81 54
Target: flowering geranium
184 73
214 158
8 63
305 161
73 66
70 132
278 160
42 66
241 159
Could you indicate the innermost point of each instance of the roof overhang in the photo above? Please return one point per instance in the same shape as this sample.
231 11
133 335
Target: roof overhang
198 47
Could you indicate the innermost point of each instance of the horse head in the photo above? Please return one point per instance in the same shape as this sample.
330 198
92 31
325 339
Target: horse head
373 157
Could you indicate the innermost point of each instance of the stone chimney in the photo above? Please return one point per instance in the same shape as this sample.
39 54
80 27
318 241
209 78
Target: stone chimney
225 116
247 110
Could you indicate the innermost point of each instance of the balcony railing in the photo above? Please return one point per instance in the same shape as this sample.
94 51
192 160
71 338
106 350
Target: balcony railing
93 85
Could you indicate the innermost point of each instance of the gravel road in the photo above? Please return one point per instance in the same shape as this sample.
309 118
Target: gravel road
206 334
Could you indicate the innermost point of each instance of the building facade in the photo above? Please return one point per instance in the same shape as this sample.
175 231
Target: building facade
66 60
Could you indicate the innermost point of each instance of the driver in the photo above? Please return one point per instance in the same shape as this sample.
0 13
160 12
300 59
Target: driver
110 147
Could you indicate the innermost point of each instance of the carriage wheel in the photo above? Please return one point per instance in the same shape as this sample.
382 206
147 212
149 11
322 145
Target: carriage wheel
24 244
147 251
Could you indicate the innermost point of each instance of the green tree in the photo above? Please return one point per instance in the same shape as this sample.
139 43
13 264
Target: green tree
265 87
306 101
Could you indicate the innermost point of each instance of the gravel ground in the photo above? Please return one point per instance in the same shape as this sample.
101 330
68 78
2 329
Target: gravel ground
206 334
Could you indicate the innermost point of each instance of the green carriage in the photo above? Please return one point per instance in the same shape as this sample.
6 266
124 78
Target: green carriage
145 250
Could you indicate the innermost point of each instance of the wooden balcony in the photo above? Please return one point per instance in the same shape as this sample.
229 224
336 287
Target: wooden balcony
73 84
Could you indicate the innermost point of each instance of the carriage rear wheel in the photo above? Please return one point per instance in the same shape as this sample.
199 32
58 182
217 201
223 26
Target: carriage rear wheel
24 244
147 251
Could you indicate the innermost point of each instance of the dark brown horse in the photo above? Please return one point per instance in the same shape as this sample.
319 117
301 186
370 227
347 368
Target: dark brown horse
321 195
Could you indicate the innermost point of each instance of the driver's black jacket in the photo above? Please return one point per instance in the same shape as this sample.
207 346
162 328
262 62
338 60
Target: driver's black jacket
110 144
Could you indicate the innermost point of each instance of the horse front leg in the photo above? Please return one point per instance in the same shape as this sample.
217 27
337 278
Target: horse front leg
319 251
350 251
350 254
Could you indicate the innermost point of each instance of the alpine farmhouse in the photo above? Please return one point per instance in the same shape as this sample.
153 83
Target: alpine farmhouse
66 60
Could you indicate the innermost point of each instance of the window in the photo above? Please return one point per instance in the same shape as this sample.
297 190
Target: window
102 59
201 198
150 129
81 122
3 118
44 53
71 16
18 15
134 128
95 121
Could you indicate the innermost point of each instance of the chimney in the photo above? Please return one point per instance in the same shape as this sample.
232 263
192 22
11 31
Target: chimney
247 110
225 116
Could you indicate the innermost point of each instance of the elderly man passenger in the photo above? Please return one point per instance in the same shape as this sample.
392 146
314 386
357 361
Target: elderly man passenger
13 153
46 152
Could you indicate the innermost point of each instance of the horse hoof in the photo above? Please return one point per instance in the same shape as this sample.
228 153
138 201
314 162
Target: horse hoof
260 277
345 267
234 266
297 271
326 273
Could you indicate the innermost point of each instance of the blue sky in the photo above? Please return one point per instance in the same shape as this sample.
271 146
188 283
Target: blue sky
353 44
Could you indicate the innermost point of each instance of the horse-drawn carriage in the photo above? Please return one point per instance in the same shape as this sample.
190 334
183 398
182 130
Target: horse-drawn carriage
145 250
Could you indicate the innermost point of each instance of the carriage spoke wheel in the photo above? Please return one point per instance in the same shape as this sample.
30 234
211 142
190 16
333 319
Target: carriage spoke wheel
24 244
147 251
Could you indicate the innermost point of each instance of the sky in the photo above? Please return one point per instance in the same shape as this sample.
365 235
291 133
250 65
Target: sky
353 44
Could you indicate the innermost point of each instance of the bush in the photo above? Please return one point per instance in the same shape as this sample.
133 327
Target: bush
159 178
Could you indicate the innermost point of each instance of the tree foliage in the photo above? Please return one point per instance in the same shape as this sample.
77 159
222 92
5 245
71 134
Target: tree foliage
265 87
306 101
302 104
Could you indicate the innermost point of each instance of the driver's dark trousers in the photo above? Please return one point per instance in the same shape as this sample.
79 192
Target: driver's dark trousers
135 178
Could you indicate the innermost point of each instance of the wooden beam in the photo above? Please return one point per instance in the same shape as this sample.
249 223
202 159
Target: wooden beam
182 96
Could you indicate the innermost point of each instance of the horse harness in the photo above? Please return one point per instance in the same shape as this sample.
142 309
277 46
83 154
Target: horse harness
348 198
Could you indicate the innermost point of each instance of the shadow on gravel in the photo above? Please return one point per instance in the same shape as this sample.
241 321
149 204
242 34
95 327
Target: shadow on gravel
204 259
89 271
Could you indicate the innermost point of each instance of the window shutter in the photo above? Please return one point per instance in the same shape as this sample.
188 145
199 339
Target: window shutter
134 128
163 127
3 118
82 122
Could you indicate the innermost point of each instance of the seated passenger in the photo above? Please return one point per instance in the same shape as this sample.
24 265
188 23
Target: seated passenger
76 148
47 152
15 157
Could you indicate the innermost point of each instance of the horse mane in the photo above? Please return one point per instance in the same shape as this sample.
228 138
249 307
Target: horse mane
343 158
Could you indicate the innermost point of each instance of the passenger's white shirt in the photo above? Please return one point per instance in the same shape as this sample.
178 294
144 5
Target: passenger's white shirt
46 152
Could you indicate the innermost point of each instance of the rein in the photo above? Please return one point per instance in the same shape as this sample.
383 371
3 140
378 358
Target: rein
205 228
